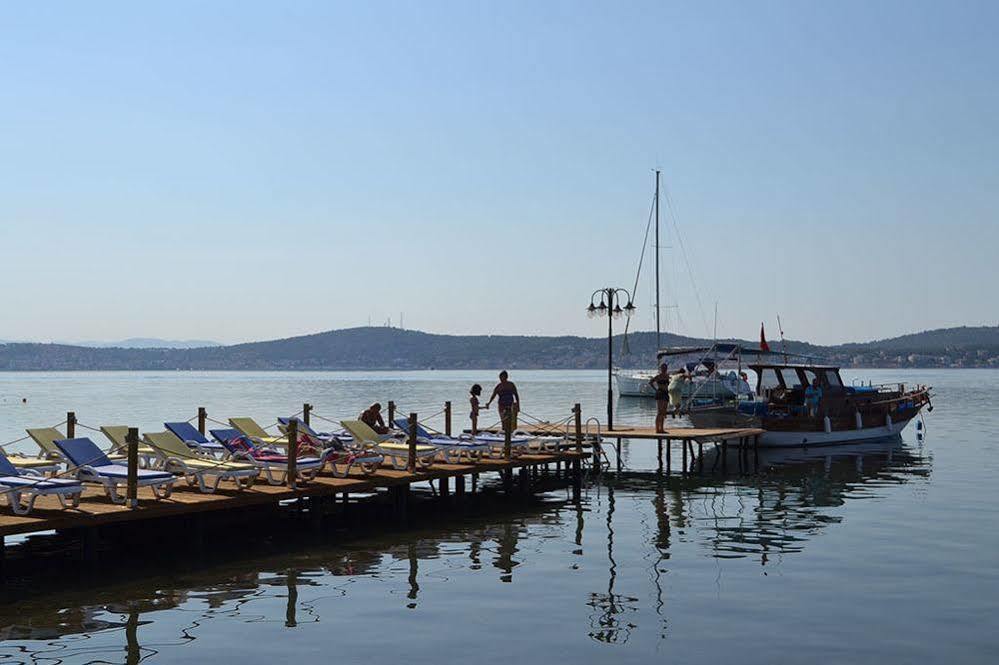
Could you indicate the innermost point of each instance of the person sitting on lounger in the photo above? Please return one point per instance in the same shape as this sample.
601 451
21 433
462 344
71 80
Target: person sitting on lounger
372 417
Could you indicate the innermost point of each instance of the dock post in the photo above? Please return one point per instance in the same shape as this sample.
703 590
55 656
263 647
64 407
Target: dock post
669 455
307 414
71 425
132 441
391 412
724 453
444 488
659 453
447 418
475 482
684 441
756 452
700 458
577 413
202 419
3 561
618 454
459 486
507 435
411 463
524 481
292 479
577 480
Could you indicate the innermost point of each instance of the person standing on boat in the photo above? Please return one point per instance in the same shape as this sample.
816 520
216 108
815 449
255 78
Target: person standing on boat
813 396
660 384
508 401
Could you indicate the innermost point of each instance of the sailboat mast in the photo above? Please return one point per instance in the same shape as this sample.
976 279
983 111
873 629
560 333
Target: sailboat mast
658 327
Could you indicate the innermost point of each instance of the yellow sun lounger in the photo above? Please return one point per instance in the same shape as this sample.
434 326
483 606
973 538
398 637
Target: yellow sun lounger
395 451
177 457
50 457
250 428
117 435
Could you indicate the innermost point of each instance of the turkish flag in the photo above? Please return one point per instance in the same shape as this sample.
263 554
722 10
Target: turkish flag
764 347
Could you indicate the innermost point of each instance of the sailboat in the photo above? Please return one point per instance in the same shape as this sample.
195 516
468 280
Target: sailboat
711 378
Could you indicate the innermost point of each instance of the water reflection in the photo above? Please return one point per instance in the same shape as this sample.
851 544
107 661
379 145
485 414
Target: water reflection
762 517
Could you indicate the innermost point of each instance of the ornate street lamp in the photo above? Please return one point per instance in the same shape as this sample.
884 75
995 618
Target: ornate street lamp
610 306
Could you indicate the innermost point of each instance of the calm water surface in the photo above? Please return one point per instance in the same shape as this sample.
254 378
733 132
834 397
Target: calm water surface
883 553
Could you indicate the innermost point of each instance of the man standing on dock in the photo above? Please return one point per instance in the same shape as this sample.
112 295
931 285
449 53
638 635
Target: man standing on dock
509 401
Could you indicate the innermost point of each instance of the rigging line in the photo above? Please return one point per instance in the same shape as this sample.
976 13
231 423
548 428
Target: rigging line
641 259
686 259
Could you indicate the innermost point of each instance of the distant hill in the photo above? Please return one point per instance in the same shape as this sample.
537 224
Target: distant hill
392 348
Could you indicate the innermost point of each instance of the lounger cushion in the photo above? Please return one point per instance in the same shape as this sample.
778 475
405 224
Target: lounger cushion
27 482
119 471
82 452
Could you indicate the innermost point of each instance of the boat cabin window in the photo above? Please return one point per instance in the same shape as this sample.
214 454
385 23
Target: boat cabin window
791 378
768 379
832 377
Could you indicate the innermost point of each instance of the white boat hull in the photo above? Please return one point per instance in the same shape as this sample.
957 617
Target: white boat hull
634 385
772 439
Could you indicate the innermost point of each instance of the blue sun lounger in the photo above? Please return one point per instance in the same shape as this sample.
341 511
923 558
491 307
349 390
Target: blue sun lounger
190 435
30 485
452 448
93 466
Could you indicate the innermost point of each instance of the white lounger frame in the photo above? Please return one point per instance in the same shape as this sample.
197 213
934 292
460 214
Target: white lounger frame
15 494
161 488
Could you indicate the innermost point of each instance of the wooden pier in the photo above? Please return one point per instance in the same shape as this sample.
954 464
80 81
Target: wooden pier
743 439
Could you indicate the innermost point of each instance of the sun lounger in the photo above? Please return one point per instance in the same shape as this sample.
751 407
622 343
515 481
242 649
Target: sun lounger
195 440
177 457
258 434
453 449
324 437
42 465
519 443
93 466
17 485
242 447
396 451
46 437
118 436
340 459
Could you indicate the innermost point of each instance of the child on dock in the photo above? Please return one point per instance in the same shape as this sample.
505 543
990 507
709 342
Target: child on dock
473 401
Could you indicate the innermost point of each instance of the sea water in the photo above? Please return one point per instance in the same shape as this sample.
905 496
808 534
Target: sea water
881 553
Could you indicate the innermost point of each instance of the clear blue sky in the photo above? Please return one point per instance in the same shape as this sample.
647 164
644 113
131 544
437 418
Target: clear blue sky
244 170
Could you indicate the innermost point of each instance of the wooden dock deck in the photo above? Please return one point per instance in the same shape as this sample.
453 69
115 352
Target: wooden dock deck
97 510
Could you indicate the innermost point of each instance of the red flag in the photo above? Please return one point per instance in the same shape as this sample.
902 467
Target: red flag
764 347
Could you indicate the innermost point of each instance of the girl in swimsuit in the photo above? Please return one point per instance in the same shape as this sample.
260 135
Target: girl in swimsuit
474 402
660 383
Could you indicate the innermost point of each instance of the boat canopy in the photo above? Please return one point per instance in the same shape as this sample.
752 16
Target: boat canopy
733 353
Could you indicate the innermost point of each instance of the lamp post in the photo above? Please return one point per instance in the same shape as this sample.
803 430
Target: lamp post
610 306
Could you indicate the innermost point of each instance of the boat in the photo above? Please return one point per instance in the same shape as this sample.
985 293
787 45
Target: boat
845 413
713 370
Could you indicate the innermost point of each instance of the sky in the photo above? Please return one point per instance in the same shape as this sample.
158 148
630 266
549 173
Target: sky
238 171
